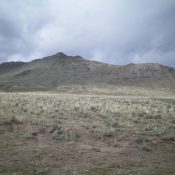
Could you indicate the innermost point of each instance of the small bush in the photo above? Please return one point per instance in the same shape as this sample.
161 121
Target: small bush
12 121
65 136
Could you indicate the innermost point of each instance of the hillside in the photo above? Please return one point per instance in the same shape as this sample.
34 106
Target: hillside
58 70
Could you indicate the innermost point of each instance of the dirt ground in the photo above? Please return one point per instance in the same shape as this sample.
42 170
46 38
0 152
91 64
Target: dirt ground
35 141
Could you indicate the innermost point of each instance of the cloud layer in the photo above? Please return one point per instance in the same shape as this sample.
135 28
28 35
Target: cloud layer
114 31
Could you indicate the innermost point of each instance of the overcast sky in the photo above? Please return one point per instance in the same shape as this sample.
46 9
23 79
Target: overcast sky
114 31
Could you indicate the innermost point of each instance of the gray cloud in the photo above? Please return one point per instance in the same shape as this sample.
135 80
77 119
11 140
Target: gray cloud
114 31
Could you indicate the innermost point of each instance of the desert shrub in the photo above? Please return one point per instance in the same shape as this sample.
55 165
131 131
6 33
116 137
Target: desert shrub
94 109
79 113
59 133
12 120
85 114
146 149
65 136
168 138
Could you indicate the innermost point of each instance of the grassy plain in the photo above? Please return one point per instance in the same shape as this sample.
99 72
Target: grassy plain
119 131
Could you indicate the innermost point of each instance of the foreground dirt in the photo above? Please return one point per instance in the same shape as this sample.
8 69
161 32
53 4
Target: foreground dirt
36 141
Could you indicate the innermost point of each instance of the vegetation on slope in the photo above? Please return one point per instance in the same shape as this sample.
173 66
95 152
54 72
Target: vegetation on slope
59 70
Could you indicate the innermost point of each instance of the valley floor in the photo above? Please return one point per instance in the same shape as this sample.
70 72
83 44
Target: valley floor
73 134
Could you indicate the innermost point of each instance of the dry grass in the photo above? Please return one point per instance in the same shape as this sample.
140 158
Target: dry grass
50 133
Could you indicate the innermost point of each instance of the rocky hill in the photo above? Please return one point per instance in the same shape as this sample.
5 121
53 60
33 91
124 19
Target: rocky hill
57 70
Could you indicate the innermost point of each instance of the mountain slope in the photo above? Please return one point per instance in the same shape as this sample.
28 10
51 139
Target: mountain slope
59 69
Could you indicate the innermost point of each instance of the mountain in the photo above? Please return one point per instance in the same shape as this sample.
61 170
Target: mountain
58 70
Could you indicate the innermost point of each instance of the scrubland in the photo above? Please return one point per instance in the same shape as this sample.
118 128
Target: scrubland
129 132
